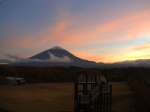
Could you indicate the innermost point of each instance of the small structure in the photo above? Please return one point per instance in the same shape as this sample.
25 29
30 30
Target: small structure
93 93
16 80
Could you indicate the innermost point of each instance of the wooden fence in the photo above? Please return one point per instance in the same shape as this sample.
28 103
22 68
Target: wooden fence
93 93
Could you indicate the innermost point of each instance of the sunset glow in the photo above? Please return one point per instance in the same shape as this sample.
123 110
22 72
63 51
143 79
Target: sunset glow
95 30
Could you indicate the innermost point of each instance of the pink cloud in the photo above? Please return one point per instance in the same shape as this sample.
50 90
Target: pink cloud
122 29
63 32
144 46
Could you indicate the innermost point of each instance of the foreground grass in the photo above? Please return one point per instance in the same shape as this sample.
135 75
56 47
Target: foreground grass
56 97
122 98
52 97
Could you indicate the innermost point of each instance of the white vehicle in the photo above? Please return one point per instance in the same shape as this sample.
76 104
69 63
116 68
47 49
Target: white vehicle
16 80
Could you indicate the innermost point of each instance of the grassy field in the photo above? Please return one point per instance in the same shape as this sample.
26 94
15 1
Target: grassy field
52 97
122 98
56 97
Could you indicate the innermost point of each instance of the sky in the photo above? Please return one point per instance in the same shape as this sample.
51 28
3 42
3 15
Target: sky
98 30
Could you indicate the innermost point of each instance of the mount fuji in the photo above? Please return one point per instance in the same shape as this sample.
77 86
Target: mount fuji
56 56
60 57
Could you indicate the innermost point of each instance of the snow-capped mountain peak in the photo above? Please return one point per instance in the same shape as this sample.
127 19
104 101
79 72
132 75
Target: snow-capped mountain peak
50 53
56 56
57 47
58 59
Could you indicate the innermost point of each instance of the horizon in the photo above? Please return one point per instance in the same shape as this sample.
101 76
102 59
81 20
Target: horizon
13 57
98 30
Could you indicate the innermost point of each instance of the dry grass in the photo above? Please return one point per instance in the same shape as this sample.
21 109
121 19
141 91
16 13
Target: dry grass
56 97
52 97
122 98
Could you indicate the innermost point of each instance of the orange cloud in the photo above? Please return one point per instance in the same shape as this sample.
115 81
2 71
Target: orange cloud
132 53
129 53
122 29
142 47
88 56
106 58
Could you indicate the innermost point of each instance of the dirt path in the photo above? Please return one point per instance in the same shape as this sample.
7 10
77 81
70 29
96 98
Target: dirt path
122 98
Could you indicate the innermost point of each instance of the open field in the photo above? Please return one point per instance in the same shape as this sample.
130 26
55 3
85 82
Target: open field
56 97
52 97
122 98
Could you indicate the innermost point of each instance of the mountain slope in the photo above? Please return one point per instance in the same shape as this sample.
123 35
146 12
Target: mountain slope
56 51
135 63
125 64
5 61
56 56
